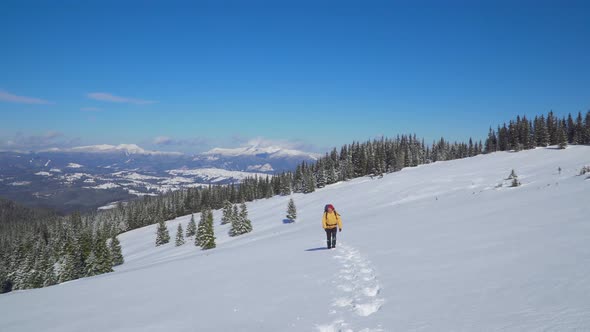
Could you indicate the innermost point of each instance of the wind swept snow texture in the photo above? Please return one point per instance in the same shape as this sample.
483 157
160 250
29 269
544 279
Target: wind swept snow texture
437 247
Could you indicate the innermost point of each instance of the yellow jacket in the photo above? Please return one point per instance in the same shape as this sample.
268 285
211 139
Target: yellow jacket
331 220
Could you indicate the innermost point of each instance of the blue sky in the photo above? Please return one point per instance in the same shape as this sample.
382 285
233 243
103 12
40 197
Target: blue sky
189 76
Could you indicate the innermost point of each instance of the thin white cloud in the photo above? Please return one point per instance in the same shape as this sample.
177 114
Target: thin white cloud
12 98
103 96
23 142
163 140
194 141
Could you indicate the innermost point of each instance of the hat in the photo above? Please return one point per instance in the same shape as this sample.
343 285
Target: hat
328 206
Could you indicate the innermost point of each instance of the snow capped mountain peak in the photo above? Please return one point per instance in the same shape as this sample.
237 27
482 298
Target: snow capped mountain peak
262 168
256 149
130 148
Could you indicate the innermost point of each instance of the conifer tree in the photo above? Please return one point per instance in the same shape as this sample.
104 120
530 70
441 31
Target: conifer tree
285 185
235 214
162 236
525 134
321 178
201 228
73 265
245 221
38 274
104 259
331 176
235 222
92 265
514 178
208 239
66 269
491 142
50 275
179 236
515 182
291 210
552 128
191 228
541 132
561 137
571 129
240 223
227 211
116 252
513 137
309 183
579 130
512 175
298 179
5 286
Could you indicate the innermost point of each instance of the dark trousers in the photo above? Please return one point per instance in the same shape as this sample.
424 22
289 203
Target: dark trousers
331 237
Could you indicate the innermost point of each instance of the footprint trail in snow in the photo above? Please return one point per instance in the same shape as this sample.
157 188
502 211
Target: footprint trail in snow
358 291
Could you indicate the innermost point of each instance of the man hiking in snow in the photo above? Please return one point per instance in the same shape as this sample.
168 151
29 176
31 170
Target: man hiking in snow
331 222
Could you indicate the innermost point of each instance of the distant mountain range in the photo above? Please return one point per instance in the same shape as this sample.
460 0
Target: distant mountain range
128 149
90 177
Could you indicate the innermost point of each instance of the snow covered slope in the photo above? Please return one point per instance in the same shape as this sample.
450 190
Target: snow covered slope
434 248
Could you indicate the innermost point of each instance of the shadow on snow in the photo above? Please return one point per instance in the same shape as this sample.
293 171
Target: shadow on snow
317 249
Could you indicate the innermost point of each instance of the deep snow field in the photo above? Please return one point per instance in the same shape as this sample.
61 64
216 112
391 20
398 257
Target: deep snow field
431 248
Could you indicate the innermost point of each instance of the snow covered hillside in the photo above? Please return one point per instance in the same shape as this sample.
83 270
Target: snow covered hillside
437 247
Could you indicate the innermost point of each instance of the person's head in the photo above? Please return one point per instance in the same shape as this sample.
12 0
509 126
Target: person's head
329 208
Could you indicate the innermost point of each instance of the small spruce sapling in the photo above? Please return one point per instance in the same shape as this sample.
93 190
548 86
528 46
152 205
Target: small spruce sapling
514 178
163 236
191 228
291 210
179 236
